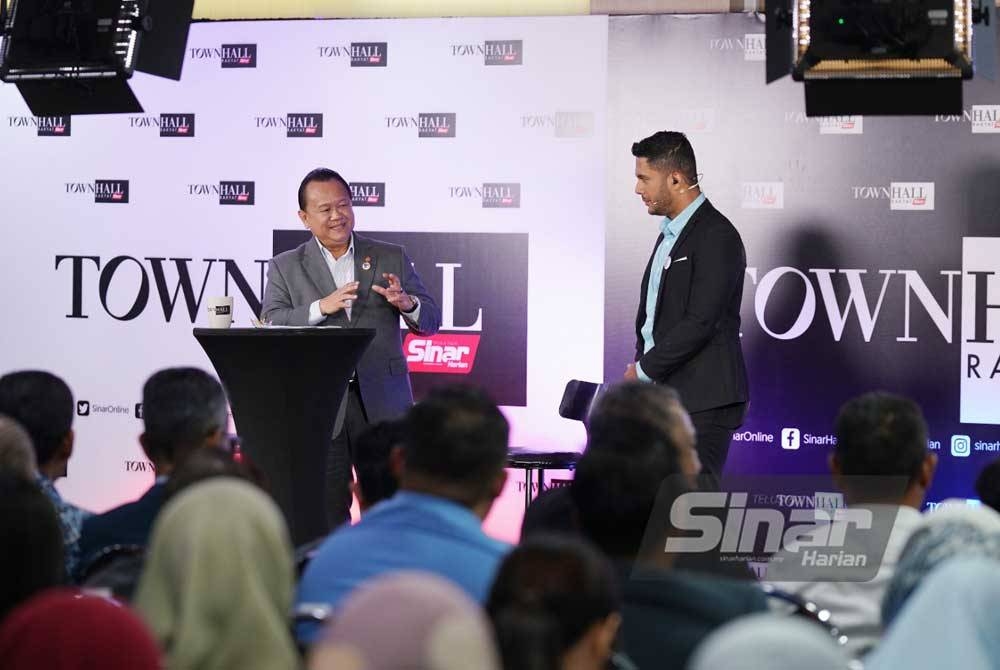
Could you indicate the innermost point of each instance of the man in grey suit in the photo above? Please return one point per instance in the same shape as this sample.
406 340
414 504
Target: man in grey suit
330 280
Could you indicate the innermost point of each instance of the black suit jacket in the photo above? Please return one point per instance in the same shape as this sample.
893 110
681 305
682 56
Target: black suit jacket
696 326
130 523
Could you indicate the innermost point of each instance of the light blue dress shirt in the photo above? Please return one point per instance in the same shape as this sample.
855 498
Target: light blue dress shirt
671 229
410 531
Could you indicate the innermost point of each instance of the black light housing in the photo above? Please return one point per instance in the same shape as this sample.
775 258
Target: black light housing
893 57
75 56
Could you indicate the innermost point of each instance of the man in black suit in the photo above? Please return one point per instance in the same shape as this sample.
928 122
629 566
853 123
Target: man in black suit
688 325
183 409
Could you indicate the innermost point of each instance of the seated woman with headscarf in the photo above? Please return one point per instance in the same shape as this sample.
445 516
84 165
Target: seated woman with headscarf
218 582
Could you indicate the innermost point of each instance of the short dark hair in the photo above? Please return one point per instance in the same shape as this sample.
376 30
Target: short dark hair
655 404
668 150
618 479
548 593
32 559
319 174
43 404
371 461
880 434
180 408
457 436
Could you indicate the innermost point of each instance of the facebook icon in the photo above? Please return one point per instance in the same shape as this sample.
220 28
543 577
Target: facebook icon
790 438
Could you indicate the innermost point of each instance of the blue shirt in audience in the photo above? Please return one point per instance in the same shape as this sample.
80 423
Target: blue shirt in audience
410 531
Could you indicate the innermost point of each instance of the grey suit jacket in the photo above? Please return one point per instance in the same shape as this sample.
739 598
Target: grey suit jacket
297 278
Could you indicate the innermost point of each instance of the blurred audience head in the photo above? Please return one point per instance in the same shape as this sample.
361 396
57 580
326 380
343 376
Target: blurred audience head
882 438
43 404
456 448
31 557
988 485
953 530
555 605
411 620
769 641
639 436
183 409
376 480
203 464
65 629
217 586
950 622
17 455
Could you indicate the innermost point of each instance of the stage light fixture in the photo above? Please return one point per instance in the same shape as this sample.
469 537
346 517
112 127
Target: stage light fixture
75 56
880 56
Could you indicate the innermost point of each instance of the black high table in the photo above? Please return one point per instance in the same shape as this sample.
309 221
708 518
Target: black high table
284 387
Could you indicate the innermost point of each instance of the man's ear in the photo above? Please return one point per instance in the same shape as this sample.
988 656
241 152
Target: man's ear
65 449
927 469
496 487
302 218
397 462
215 439
144 441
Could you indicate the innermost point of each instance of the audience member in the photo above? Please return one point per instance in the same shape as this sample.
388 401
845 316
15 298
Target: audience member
43 404
628 459
951 531
988 485
880 463
769 641
554 511
451 469
412 620
64 629
555 605
376 480
217 587
948 623
184 409
31 544
17 455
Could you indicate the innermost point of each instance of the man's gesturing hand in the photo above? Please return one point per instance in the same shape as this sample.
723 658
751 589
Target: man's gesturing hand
395 294
339 299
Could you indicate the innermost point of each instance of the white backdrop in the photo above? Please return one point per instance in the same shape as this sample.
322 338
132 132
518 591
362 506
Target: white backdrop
539 123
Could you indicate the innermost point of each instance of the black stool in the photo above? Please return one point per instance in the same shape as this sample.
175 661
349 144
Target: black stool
577 401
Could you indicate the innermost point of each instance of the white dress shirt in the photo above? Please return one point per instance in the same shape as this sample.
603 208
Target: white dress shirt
342 270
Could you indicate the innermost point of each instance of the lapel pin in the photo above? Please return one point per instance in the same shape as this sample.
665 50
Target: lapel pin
666 266
367 264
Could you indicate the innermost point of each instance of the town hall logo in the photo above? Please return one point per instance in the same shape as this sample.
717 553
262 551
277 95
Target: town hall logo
494 52
45 126
113 191
169 125
304 125
228 55
492 195
359 54
236 192
903 196
368 194
428 124
229 192
176 125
